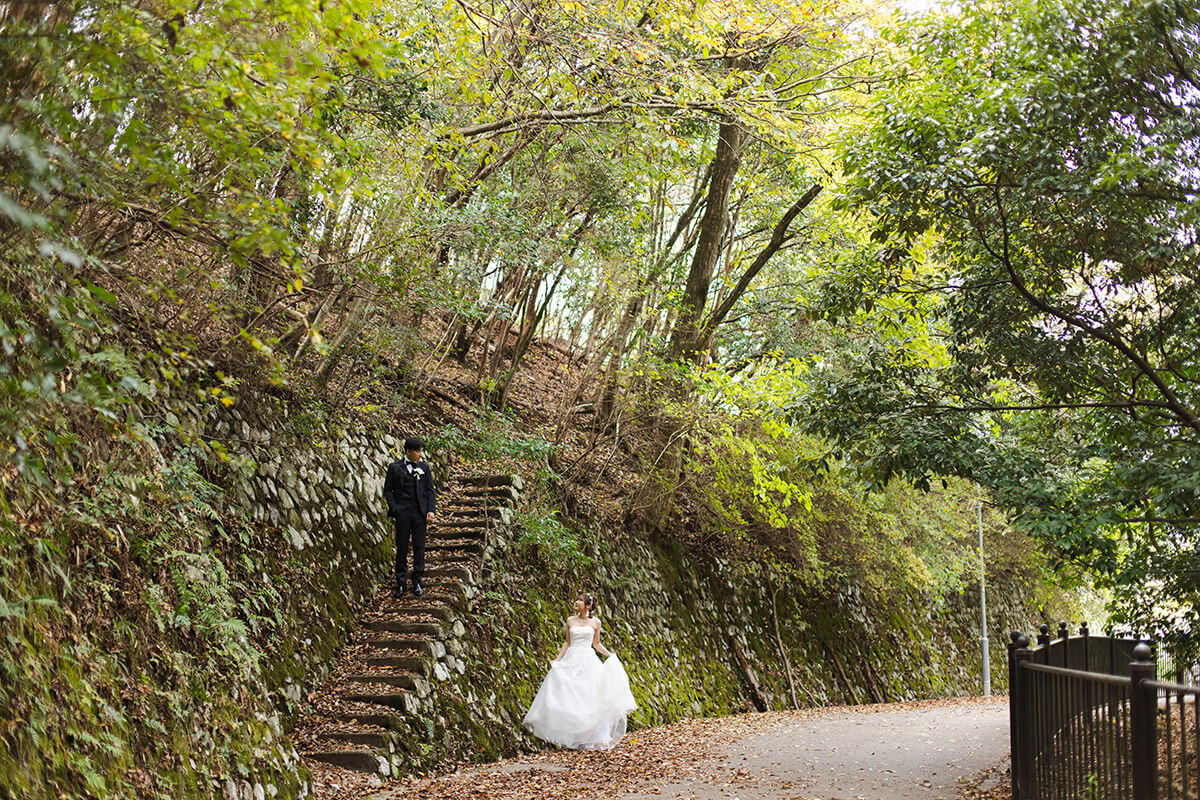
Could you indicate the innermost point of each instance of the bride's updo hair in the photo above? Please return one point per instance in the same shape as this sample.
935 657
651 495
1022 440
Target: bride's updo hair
589 600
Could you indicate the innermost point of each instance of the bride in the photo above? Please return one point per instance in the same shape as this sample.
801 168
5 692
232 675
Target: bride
583 702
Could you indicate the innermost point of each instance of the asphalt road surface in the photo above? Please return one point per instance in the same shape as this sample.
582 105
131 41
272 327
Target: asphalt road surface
890 752
929 750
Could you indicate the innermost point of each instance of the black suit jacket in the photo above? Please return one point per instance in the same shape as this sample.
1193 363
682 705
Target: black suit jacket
409 492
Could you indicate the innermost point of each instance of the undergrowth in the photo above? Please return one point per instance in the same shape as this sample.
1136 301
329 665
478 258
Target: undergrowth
134 611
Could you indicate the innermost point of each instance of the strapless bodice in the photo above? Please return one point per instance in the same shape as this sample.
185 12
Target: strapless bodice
582 635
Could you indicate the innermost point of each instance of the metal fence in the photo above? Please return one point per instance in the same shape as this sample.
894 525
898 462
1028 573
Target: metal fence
1089 721
1178 740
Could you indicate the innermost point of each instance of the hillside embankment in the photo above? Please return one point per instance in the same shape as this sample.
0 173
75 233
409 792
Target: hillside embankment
166 625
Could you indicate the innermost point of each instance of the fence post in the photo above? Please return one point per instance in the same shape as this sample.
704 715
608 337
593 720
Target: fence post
1042 652
1013 638
1143 726
1021 721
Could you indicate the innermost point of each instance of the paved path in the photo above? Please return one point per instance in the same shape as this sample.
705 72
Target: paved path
896 751
892 752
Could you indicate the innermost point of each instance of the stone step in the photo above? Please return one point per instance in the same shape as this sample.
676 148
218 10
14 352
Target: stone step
398 680
477 509
475 512
354 760
455 524
510 492
398 644
455 560
456 519
506 493
480 515
440 589
477 523
458 514
431 580
463 505
455 546
391 722
444 551
431 648
473 534
401 699
451 530
379 740
452 557
493 480
471 501
422 609
451 553
458 573
450 591
415 664
404 626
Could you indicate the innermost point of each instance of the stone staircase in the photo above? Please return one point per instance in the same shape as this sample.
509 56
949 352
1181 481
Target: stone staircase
363 716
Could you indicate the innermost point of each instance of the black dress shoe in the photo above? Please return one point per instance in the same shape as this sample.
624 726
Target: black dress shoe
418 590
398 591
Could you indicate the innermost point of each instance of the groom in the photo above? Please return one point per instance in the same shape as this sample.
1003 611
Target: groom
411 499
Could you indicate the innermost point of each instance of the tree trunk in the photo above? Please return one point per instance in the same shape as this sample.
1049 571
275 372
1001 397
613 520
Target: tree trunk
611 374
779 237
534 315
300 333
787 662
351 327
321 273
684 342
618 345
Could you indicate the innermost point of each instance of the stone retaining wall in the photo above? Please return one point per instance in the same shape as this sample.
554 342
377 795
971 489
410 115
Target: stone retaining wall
698 637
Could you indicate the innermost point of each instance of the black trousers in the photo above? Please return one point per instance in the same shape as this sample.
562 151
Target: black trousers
410 525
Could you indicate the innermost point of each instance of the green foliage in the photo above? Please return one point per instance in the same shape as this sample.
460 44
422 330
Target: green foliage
494 438
203 200
753 474
757 487
230 91
41 343
131 644
1029 173
560 547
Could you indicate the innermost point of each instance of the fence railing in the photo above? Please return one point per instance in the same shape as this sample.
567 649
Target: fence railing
1178 740
1089 721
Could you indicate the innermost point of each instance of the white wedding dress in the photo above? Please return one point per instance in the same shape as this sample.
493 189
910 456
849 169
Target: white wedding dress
583 702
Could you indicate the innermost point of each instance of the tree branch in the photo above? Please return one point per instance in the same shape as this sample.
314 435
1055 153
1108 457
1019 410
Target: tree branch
1173 403
1038 406
778 238
551 115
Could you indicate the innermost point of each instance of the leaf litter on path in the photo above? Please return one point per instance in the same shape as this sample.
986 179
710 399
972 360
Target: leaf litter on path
686 759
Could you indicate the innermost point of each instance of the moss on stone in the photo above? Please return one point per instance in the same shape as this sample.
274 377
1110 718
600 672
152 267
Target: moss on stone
678 621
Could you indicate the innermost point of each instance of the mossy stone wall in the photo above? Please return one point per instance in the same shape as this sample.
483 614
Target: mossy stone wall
698 637
299 523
